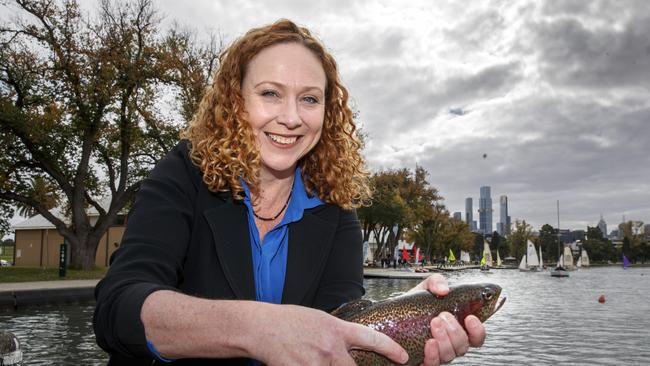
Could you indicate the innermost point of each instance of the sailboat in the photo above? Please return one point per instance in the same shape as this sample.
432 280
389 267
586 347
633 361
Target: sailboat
464 257
529 262
452 257
583 260
559 270
626 262
484 266
498 260
487 254
541 262
568 259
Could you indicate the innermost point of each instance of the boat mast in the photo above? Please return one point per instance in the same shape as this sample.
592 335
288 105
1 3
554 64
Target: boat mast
559 242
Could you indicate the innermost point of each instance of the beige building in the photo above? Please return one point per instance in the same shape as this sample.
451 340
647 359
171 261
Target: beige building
38 243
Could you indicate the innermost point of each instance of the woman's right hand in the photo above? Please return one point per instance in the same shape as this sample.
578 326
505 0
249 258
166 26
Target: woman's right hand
296 335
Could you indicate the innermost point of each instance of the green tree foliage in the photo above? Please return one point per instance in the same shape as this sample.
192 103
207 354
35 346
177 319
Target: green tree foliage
497 244
401 200
41 190
443 233
627 248
519 237
599 248
88 104
549 241
405 205
633 239
479 240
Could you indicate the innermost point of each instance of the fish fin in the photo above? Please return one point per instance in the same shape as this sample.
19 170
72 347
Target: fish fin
350 308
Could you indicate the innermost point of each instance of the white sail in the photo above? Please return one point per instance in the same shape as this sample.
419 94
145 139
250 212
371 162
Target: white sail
585 258
522 264
579 262
568 258
541 262
531 253
560 262
487 253
498 259
464 256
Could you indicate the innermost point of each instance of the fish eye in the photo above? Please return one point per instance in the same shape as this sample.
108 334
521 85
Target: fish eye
487 295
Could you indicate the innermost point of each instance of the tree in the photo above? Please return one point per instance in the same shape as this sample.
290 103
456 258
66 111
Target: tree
479 240
632 239
599 248
519 238
84 109
41 190
402 200
549 241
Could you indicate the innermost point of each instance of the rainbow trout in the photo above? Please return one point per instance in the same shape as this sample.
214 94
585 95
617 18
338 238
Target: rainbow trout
407 318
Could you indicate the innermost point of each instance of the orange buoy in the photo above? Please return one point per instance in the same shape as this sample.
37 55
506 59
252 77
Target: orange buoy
601 299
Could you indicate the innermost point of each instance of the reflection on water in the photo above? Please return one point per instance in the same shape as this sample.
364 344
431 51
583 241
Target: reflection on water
545 321
55 335
558 321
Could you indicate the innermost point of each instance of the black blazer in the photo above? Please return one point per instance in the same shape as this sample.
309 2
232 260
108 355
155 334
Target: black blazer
182 237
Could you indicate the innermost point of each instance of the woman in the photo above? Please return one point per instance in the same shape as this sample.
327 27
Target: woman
256 203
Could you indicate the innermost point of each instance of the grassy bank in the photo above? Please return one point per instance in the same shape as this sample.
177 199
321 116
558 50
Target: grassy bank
29 274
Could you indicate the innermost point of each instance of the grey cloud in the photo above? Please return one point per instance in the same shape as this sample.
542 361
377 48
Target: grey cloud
476 30
557 164
407 98
572 54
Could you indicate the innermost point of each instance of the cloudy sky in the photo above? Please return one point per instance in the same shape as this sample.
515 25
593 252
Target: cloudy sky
555 94
541 100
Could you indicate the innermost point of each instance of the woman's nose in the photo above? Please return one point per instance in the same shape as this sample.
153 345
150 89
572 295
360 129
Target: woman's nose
289 114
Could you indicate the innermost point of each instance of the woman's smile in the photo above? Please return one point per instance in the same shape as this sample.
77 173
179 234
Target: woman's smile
282 140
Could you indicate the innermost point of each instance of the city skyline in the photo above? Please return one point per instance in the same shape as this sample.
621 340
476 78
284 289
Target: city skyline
602 223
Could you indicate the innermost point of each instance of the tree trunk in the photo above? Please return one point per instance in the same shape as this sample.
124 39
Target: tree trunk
83 251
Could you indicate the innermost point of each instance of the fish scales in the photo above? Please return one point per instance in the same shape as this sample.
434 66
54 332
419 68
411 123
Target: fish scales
407 318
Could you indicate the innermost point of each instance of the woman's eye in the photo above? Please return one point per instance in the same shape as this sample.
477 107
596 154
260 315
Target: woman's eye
310 100
270 93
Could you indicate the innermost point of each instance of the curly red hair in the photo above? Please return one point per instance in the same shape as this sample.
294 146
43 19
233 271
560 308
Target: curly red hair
222 144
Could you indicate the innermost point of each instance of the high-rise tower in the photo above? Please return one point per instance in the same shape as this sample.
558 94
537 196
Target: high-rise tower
504 223
602 225
469 215
485 210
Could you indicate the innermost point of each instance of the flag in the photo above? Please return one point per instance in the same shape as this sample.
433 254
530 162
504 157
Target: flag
405 254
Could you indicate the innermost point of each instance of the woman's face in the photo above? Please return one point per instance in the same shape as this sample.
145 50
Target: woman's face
284 96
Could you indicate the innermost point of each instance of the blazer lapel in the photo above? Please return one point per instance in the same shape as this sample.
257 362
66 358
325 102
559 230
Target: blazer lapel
229 226
310 240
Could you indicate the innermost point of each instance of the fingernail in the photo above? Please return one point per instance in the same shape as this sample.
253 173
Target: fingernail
473 322
450 320
441 289
404 357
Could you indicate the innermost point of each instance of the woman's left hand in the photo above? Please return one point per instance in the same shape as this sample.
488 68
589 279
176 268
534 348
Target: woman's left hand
449 338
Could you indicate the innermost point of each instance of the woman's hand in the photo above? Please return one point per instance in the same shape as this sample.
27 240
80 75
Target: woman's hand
296 335
449 339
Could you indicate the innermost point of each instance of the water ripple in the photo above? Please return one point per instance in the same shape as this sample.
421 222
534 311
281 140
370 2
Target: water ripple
551 321
545 321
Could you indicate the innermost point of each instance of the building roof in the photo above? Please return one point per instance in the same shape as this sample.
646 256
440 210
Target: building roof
40 222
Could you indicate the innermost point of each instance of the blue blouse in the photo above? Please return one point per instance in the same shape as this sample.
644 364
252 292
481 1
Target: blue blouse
270 256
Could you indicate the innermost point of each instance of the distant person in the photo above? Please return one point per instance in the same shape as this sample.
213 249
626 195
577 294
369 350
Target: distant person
245 236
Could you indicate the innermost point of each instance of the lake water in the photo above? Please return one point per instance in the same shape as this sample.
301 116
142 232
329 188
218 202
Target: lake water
545 321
